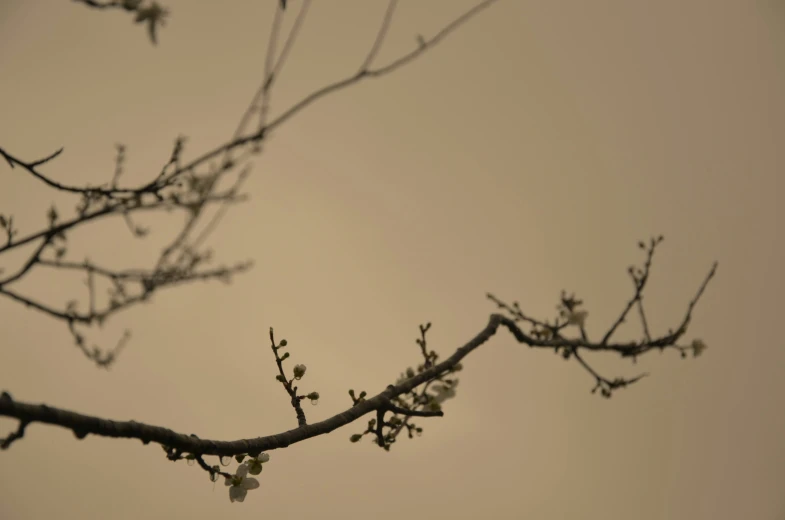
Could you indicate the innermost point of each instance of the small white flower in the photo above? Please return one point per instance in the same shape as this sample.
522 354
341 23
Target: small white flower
577 318
443 392
240 484
698 346
255 463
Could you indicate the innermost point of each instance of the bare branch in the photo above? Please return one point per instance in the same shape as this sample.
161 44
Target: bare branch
34 258
95 4
639 278
150 13
377 45
376 73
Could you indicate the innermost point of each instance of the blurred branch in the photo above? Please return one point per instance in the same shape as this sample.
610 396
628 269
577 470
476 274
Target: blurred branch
423 46
149 12
190 187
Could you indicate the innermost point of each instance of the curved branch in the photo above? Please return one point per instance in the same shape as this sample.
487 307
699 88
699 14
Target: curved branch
83 425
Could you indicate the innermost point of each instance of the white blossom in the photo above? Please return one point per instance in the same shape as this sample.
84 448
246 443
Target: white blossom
240 484
255 463
444 392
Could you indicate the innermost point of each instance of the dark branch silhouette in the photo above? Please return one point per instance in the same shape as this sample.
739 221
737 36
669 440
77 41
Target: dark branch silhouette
400 398
193 187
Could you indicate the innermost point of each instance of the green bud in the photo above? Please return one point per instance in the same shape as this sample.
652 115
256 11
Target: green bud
280 378
285 355
356 437
283 343
239 458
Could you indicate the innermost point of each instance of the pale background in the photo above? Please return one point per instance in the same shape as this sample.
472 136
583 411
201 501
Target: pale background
526 154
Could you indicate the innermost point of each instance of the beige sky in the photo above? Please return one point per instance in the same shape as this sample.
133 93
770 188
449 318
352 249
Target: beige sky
525 155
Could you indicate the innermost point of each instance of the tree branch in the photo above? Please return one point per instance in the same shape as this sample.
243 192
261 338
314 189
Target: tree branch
177 185
83 425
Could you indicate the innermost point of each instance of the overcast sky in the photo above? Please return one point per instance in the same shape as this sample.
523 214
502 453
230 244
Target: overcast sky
525 155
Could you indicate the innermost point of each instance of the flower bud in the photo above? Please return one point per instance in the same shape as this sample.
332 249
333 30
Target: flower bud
698 346
299 371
